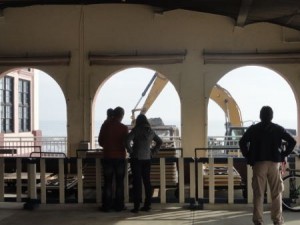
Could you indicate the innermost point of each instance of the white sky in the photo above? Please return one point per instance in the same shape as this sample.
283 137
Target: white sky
251 87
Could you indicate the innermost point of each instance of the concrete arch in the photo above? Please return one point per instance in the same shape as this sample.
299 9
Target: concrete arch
278 72
30 74
96 95
50 72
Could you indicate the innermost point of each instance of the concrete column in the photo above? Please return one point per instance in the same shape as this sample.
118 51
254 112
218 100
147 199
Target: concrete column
193 110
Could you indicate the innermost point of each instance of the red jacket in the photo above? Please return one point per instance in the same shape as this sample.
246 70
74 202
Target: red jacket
112 138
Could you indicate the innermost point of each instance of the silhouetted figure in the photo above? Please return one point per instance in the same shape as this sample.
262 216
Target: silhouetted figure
109 116
112 138
262 145
139 146
109 113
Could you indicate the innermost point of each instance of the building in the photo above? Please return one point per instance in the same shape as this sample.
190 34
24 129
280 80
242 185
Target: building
19 104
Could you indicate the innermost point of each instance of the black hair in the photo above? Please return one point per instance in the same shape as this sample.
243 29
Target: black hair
266 114
110 112
141 120
118 112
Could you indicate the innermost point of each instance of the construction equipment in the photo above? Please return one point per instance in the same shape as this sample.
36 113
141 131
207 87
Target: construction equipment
233 117
168 133
159 82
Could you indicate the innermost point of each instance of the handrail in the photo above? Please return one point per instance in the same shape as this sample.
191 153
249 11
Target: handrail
49 153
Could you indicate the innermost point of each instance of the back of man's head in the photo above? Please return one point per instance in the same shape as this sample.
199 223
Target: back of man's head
266 114
110 113
119 113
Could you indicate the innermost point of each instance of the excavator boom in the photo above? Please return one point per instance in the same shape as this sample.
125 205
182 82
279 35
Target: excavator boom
159 82
227 103
220 95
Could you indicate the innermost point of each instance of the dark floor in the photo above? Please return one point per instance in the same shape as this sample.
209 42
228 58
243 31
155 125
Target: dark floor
88 214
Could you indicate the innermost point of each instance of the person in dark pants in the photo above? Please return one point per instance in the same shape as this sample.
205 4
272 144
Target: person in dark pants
112 138
139 146
262 145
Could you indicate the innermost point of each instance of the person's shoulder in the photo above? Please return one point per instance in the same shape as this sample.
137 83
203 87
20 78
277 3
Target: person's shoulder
105 123
124 126
254 126
277 126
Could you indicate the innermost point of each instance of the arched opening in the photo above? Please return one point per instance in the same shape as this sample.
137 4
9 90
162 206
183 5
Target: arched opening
52 106
253 87
128 89
33 111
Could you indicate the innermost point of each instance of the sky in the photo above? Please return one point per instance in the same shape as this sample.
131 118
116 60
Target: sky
252 87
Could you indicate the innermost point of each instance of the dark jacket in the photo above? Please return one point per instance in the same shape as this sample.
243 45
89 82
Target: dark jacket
139 143
112 138
264 142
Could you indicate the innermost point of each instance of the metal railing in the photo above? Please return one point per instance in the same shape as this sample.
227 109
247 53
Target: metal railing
47 144
59 143
227 141
168 142
54 177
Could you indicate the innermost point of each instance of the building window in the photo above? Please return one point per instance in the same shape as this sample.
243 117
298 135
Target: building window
24 105
7 104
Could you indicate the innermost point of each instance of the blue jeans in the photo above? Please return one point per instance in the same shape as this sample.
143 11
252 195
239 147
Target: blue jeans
113 169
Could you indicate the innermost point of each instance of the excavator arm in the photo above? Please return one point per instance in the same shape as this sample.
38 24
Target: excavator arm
159 82
227 103
220 95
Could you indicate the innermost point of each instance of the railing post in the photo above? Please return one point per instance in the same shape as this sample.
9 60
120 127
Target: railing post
43 181
192 182
61 178
2 179
230 181
31 184
32 180
19 180
200 181
162 162
79 181
181 179
249 186
211 180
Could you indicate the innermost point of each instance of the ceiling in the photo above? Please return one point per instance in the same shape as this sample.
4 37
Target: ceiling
282 12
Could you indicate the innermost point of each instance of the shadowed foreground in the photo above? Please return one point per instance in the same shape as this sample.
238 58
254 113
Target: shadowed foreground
75 214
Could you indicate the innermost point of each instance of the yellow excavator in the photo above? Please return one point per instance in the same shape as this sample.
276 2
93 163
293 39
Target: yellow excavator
233 117
159 82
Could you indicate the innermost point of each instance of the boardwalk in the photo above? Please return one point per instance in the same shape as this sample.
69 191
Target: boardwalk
87 214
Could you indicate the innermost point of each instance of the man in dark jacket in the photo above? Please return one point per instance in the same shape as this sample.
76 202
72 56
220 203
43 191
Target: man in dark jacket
262 146
112 138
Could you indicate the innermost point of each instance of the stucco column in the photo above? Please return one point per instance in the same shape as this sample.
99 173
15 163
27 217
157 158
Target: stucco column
78 105
193 110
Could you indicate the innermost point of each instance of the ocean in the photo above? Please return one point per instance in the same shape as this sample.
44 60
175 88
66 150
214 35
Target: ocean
54 128
215 128
59 128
